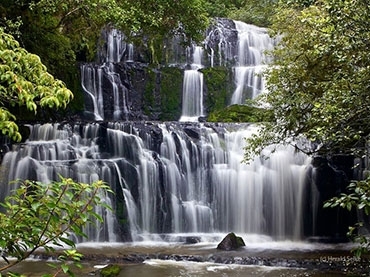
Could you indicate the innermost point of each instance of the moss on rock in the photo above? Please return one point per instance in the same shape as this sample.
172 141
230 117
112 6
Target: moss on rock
217 82
240 113
111 270
171 93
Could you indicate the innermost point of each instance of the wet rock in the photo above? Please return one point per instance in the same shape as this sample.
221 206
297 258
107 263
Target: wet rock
192 240
231 242
192 132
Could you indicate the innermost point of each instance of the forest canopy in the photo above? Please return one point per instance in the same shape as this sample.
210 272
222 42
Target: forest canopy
319 82
70 29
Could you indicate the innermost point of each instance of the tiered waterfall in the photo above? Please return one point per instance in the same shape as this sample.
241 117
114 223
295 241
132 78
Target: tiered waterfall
174 177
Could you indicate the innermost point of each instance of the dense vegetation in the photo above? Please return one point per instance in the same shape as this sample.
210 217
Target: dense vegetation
65 32
319 85
25 83
43 216
241 113
319 82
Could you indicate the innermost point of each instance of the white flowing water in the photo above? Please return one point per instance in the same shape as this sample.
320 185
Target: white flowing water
192 93
186 184
253 42
247 60
91 82
94 77
116 46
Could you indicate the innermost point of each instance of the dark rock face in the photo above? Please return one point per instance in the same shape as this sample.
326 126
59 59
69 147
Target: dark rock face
122 87
231 242
326 179
223 37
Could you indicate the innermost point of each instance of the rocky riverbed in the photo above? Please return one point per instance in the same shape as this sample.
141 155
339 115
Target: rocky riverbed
276 258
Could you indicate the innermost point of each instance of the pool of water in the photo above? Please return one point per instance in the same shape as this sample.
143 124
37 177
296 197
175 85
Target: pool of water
261 256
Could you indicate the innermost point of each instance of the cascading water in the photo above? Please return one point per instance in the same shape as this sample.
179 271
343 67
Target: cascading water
221 42
94 76
184 179
91 80
251 60
247 57
50 152
192 100
173 177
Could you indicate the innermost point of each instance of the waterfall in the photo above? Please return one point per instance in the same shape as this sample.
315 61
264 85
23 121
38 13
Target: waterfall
95 77
220 43
52 151
169 177
192 100
247 57
91 82
173 177
116 47
251 60
119 83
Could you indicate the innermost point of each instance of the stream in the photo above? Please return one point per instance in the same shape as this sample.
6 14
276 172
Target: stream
261 256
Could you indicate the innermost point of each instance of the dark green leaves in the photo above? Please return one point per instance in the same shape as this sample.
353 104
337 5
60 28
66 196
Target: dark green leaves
358 197
319 81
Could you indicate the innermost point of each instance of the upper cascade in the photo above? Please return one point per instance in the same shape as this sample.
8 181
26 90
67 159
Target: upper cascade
122 86
192 93
253 42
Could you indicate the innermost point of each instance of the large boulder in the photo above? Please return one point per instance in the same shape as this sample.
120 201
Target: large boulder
231 242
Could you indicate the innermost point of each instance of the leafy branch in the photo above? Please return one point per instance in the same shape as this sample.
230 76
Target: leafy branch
358 197
43 216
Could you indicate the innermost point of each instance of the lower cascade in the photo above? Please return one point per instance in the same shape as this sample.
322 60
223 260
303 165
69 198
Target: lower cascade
173 178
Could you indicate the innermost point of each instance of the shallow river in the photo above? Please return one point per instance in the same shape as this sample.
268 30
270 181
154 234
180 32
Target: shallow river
260 257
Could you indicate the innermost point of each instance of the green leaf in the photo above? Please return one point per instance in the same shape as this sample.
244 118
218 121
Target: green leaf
67 241
65 268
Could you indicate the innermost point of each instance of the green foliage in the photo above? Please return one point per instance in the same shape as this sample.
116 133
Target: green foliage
258 12
79 23
63 32
25 82
73 25
218 83
240 113
171 91
319 86
110 271
39 215
319 82
358 197
220 8
159 20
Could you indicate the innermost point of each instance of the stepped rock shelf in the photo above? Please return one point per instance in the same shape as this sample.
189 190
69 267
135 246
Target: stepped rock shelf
192 82
179 177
